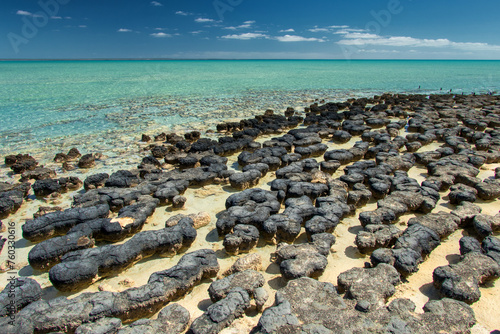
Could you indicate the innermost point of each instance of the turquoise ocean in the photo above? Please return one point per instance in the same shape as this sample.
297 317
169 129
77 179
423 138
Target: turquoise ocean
100 105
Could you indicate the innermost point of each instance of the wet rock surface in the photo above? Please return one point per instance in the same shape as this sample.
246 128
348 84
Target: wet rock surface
47 187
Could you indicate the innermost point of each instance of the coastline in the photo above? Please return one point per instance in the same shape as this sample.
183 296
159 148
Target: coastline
211 199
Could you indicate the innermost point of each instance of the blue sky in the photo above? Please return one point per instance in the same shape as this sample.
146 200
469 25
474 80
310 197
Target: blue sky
323 29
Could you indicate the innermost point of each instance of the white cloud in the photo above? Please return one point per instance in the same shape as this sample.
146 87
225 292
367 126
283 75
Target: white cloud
359 35
23 12
160 35
338 29
203 20
180 12
245 36
68 17
248 55
287 30
56 18
294 38
197 32
156 4
404 41
381 51
245 25
82 26
160 29
349 30
124 30
319 30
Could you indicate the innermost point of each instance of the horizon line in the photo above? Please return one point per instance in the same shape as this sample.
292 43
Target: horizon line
278 59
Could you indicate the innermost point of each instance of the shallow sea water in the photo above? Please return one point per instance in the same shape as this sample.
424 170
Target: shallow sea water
101 106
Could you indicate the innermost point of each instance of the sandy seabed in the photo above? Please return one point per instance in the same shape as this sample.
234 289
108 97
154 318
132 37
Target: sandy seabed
211 199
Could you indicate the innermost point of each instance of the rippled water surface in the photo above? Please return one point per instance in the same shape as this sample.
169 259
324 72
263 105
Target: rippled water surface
102 104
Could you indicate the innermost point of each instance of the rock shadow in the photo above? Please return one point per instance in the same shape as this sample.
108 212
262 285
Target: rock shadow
212 236
447 204
273 269
221 254
27 271
236 166
453 258
353 253
430 291
204 304
277 283
355 229
230 189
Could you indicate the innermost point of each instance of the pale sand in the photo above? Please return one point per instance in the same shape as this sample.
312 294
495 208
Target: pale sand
211 199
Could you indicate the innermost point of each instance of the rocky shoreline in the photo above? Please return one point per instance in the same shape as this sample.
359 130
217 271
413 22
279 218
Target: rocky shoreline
379 186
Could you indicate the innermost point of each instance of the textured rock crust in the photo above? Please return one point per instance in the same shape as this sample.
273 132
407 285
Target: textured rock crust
301 306
302 260
461 281
59 223
173 319
79 269
17 294
62 314
129 221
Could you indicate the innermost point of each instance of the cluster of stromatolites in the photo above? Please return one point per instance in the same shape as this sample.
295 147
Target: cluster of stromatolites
80 245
